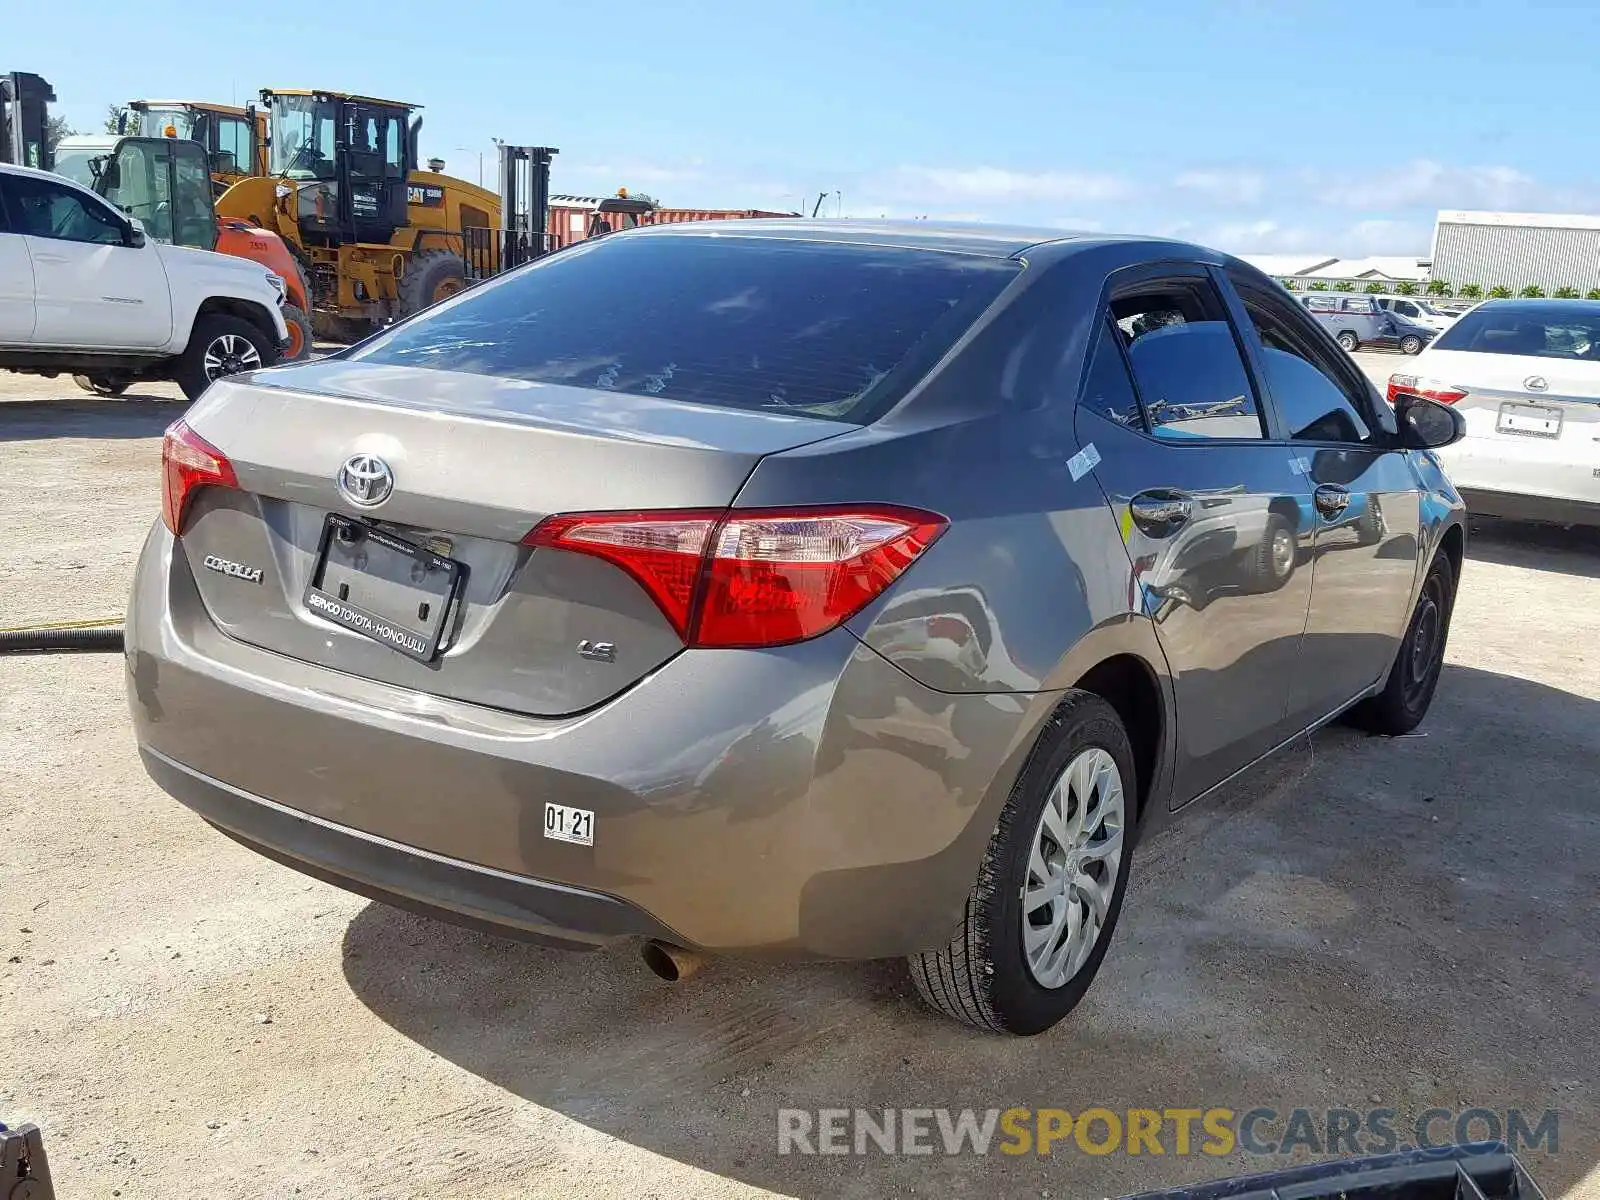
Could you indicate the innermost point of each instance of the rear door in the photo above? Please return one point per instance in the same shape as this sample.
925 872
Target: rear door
1212 512
91 288
16 279
1364 503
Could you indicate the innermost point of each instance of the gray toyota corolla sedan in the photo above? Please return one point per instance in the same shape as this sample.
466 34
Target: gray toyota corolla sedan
798 588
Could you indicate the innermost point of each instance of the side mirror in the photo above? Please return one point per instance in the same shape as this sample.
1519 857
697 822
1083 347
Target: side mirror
134 238
1427 424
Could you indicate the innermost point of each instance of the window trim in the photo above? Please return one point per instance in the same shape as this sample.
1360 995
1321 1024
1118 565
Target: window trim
1347 374
1141 276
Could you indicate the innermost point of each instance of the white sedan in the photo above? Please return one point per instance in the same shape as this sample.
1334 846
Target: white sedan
1526 376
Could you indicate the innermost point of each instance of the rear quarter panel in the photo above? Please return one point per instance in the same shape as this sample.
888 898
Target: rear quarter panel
1030 586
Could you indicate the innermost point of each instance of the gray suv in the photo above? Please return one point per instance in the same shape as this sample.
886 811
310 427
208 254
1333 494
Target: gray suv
798 588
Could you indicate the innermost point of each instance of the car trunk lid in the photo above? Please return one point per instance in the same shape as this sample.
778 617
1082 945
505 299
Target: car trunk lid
476 462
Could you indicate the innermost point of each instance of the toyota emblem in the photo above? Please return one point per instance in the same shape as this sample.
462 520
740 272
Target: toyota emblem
365 480
1536 383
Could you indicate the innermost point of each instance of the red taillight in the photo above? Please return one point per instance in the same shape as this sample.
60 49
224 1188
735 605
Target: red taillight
189 462
1428 389
753 577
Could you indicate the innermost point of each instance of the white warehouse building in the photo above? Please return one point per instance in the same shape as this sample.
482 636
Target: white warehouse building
1491 249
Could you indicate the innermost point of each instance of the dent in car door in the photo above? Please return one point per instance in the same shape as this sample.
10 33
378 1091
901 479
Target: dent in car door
16 282
1214 531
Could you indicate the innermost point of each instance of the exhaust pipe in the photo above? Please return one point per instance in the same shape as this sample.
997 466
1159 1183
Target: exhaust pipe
669 962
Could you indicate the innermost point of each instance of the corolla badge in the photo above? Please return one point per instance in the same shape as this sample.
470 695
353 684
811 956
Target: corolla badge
1536 383
365 480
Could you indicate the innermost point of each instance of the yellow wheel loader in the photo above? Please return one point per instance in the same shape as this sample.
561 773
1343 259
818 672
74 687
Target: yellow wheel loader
378 238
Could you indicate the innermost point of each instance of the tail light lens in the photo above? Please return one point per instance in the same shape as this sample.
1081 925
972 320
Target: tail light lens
189 462
1428 389
753 577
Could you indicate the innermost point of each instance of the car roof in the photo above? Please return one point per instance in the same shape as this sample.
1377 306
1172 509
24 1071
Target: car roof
1548 307
994 241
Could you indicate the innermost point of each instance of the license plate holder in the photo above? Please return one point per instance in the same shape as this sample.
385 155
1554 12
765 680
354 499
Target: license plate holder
1529 420
395 592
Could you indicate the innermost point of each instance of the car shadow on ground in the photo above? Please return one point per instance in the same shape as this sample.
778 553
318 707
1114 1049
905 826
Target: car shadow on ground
1569 550
1373 923
135 414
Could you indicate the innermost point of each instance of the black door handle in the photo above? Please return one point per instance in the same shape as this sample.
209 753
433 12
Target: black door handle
1331 499
1160 512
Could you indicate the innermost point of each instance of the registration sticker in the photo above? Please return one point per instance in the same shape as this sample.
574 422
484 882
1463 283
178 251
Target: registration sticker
565 824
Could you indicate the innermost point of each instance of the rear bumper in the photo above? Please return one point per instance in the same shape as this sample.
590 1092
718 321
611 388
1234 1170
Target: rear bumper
404 876
807 802
1519 506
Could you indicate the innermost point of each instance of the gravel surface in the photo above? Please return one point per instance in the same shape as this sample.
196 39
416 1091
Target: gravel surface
1403 923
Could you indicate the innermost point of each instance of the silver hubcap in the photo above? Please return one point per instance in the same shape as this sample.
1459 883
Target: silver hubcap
230 354
1072 868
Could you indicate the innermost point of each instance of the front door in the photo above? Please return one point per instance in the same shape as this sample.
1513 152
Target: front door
1365 505
1212 512
91 288
373 192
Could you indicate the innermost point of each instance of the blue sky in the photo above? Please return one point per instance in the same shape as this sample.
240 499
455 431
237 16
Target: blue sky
1252 125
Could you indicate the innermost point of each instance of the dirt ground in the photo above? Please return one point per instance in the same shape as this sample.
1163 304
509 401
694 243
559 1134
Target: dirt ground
1399 923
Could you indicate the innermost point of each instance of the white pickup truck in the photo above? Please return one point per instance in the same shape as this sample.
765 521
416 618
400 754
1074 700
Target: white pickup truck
84 292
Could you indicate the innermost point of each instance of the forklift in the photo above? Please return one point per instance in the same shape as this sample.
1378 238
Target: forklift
25 101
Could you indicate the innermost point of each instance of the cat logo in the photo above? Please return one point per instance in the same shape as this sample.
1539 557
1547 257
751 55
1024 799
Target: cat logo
426 194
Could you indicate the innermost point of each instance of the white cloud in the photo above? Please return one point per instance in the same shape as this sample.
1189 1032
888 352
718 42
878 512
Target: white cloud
997 184
1424 183
1224 186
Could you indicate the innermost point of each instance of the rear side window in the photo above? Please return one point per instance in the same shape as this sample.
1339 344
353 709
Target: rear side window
1557 329
1108 390
1186 362
815 329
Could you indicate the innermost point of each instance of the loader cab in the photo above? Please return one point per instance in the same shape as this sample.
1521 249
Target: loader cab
229 135
348 158
25 101
164 182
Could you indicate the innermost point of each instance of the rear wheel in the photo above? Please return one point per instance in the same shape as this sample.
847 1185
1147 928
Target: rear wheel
1405 698
1411 344
299 333
1040 916
221 345
1348 342
430 276
102 385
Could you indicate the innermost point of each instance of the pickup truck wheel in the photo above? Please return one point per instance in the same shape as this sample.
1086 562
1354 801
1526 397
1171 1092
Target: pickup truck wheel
221 345
101 385
1348 342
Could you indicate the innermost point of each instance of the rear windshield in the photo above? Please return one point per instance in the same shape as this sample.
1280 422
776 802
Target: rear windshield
1569 329
824 330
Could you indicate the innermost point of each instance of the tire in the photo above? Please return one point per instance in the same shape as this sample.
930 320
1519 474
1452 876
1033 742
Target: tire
1414 676
984 976
1348 342
300 336
1370 527
1272 560
1411 344
224 339
102 385
430 276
